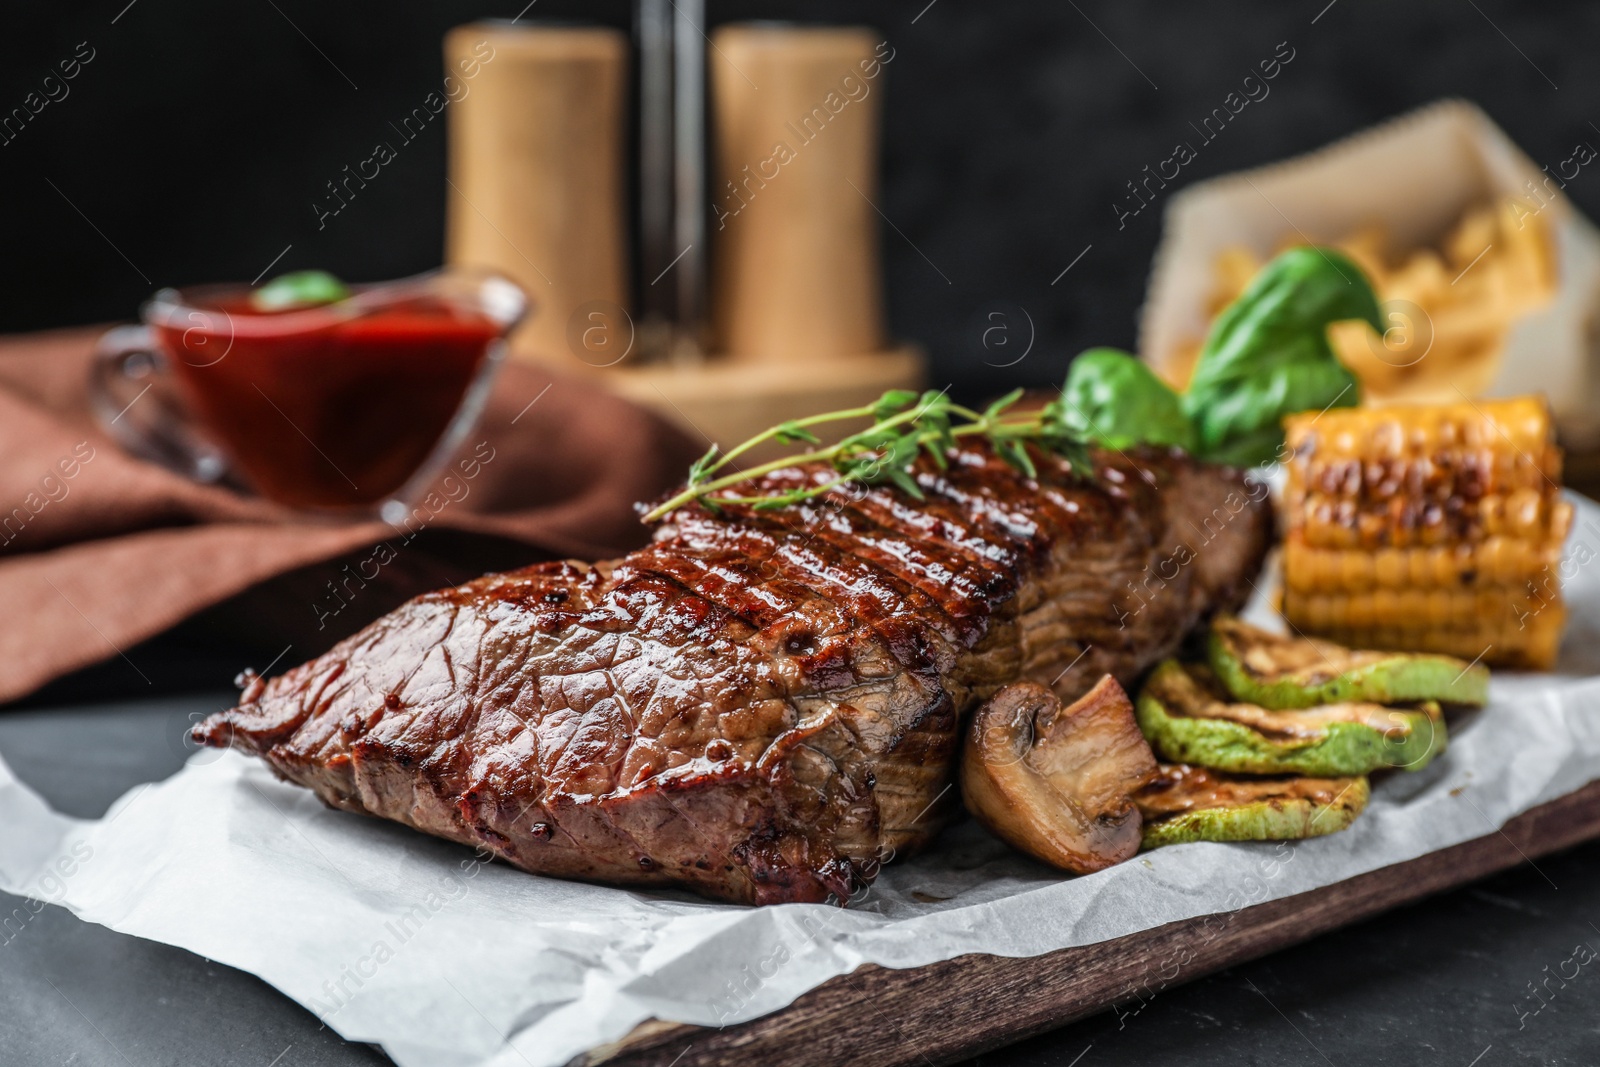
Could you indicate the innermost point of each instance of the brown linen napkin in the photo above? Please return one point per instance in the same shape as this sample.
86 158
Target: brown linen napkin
100 550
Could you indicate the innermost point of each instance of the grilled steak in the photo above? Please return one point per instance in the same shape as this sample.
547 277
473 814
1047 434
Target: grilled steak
761 706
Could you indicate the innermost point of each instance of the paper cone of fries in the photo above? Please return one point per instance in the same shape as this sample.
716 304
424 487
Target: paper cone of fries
1488 276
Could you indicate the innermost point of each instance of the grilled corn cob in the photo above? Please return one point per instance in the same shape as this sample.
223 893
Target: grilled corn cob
1431 529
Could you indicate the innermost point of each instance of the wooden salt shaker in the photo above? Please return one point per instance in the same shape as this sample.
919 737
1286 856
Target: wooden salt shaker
537 186
796 116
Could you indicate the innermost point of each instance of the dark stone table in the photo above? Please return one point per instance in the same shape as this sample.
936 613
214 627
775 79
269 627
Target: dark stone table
1447 982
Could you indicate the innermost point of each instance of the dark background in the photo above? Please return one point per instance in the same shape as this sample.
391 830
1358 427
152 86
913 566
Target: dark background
198 137
200 134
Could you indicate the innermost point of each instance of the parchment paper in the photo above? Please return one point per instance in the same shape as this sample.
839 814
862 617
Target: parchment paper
396 938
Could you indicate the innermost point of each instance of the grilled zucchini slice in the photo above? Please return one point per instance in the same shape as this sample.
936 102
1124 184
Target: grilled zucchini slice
1187 718
1284 672
1186 803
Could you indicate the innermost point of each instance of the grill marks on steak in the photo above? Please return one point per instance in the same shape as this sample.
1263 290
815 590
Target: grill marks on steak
759 706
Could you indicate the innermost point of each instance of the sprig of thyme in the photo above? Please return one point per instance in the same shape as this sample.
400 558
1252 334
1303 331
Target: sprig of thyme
1267 356
905 426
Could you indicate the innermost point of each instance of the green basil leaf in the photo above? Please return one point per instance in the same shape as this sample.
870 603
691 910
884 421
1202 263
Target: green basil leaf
1113 399
1268 356
297 289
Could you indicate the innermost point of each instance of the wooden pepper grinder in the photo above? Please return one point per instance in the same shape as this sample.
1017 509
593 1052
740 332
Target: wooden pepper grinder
537 186
796 116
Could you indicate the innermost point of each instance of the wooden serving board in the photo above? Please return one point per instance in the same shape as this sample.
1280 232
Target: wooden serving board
947 1011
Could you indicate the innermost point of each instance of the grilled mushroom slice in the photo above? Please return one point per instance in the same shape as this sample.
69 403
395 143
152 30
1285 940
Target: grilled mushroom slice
1186 803
1058 782
1285 672
1188 718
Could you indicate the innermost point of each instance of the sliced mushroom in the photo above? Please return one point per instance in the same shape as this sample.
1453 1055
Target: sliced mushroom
1058 783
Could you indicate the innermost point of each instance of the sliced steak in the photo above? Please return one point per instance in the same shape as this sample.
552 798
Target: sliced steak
761 706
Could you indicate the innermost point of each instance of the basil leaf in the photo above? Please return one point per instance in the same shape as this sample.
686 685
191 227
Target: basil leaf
297 289
1113 399
1268 355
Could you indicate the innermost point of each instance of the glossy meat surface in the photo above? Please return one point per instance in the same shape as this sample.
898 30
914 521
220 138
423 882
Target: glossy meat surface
759 706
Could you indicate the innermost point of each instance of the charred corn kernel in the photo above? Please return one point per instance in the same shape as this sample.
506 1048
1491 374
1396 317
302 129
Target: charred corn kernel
1412 608
1407 522
1430 474
1521 424
1531 643
1497 560
1428 528
1352 568
1466 450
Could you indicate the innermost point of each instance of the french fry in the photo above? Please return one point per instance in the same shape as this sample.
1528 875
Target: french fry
1475 232
1235 268
1450 308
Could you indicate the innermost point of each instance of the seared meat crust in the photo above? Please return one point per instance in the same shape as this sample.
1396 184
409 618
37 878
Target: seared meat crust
760 706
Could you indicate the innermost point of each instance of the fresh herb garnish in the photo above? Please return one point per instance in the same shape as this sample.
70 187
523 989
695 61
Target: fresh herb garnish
904 426
1116 400
1268 356
299 289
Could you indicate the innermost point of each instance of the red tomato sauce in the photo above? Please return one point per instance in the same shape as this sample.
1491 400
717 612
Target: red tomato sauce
318 410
